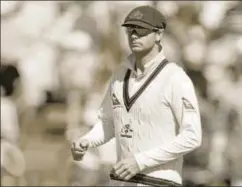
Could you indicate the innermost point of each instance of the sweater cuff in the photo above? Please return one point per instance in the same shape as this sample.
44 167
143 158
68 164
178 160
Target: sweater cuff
140 159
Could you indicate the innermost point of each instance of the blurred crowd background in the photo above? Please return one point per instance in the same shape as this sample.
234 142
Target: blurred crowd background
57 58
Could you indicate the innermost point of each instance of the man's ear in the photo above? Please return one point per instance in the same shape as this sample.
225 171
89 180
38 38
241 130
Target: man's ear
159 34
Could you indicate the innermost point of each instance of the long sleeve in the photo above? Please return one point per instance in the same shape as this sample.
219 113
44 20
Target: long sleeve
184 105
103 130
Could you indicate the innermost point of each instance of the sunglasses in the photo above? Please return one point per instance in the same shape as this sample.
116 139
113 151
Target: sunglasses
140 31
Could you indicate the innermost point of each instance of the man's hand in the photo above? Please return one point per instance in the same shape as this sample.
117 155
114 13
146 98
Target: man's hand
79 148
125 169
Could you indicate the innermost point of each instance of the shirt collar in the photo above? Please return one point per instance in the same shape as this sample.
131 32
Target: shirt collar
130 62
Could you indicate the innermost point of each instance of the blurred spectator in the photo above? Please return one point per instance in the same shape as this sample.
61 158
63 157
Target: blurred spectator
12 160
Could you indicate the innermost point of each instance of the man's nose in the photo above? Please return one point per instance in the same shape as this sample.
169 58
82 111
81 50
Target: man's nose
134 35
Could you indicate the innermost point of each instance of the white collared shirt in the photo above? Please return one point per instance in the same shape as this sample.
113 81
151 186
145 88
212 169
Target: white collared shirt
138 78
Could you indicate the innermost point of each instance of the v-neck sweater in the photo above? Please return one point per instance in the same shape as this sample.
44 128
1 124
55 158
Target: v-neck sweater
158 126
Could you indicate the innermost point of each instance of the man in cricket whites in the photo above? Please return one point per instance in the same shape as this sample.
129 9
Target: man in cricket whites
150 108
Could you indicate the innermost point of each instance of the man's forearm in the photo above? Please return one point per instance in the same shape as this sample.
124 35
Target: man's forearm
185 142
101 133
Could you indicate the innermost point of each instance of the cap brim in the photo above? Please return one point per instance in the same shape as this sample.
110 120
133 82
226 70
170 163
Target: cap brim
137 23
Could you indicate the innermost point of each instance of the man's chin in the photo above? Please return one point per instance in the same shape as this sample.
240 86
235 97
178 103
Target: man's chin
136 49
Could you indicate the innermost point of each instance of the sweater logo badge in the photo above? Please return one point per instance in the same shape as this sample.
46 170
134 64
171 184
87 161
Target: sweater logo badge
187 104
115 101
126 131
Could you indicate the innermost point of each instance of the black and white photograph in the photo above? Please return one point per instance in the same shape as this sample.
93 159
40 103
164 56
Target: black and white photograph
121 93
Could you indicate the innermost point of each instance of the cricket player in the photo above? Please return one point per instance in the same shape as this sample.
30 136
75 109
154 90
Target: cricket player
150 108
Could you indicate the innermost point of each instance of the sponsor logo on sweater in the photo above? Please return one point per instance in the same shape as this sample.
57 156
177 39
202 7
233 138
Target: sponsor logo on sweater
115 101
187 104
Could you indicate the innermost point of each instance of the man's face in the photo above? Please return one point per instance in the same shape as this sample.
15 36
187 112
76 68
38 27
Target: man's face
141 39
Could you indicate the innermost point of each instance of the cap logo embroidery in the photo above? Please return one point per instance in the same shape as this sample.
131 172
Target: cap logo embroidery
136 15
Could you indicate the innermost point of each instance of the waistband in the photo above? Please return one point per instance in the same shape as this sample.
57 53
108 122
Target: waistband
147 180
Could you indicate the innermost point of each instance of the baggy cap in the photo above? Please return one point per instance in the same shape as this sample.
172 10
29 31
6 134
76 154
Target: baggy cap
145 16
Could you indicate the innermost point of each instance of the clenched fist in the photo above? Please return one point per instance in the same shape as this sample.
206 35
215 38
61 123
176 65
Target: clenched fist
125 169
79 148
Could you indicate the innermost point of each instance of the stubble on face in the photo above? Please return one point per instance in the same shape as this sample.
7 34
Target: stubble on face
140 45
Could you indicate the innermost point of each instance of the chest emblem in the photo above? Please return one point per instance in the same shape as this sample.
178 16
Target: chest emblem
126 131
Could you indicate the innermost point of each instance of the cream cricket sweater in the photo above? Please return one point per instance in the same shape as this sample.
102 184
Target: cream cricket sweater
154 116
